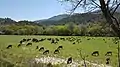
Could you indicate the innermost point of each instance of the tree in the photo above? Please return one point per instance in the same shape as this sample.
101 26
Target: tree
108 8
83 30
70 27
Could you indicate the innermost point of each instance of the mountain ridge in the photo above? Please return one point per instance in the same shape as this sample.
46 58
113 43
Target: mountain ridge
63 18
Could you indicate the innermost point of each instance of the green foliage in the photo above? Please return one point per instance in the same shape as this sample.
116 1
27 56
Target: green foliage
90 29
70 28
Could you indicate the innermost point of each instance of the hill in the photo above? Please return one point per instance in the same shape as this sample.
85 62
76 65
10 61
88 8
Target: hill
6 21
52 19
60 19
77 18
9 21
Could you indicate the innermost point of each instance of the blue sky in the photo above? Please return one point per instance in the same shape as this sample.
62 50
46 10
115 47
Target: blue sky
30 9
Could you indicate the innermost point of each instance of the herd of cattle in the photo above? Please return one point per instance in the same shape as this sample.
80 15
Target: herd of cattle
73 40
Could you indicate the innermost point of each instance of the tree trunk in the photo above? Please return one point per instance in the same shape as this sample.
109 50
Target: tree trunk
109 18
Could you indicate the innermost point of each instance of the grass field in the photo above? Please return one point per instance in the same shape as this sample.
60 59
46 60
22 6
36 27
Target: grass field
24 53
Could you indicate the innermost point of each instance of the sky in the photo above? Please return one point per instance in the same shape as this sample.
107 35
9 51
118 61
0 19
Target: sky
30 9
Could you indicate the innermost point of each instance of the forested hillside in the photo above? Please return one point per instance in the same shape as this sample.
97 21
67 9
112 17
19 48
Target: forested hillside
89 24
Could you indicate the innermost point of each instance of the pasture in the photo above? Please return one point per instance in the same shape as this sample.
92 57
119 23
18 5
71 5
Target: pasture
19 56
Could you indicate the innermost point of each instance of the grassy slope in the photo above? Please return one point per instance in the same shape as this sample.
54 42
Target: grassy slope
88 46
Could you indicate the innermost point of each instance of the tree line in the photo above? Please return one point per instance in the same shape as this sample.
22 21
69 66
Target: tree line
71 28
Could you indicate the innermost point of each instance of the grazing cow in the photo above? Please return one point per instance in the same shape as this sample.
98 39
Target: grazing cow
69 60
88 39
9 46
107 62
42 48
41 40
21 42
49 39
62 39
116 42
57 39
109 53
46 52
104 39
19 45
56 42
29 44
28 39
107 59
37 47
60 47
73 42
35 40
52 41
95 53
56 51
24 39
78 41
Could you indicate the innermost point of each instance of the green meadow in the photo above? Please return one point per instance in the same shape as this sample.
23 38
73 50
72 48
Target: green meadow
20 56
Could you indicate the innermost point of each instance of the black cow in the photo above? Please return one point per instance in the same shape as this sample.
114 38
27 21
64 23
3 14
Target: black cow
60 47
24 40
56 42
29 44
53 41
73 42
49 39
69 60
103 39
21 42
46 52
41 40
28 39
109 53
42 48
107 59
56 51
95 53
62 38
9 46
37 47
57 39
19 45
35 40
107 62
88 39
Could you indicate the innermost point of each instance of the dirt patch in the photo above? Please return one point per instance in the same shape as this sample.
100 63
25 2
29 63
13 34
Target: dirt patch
59 61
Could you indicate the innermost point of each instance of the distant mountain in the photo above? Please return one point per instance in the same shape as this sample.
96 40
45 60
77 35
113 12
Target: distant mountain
58 17
6 21
52 19
9 21
83 18
76 17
